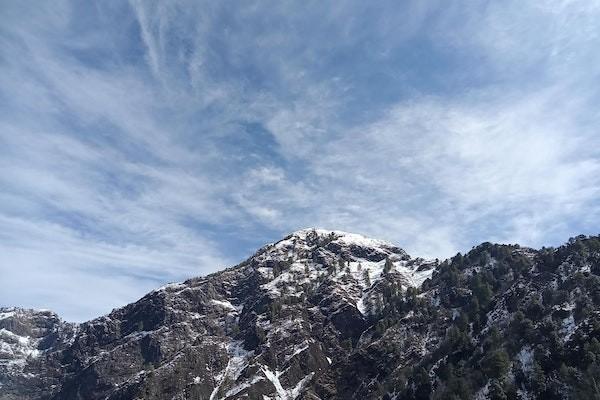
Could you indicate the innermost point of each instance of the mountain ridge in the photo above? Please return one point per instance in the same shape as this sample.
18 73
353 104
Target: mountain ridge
317 314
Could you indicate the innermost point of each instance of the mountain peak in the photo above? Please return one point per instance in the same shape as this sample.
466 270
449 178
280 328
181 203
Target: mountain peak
352 264
345 245
324 314
337 235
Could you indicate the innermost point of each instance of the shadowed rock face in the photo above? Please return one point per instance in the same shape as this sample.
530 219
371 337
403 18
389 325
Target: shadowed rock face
317 315
29 342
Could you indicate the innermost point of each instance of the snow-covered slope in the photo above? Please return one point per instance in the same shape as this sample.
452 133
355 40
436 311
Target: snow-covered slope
27 337
266 326
354 262
317 315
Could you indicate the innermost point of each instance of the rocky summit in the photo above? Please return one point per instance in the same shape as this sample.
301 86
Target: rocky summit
332 315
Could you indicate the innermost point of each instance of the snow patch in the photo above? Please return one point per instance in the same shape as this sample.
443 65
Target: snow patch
16 351
568 328
360 305
238 361
238 388
225 304
297 350
525 357
339 236
171 286
283 394
5 315
483 393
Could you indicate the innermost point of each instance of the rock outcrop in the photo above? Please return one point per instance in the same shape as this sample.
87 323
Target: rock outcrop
326 315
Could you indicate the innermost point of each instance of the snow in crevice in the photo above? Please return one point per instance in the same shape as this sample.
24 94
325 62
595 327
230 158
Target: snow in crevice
297 390
175 286
525 357
5 315
297 350
568 327
234 390
523 394
226 305
273 377
482 394
238 361
18 346
360 305
308 253
16 351
285 394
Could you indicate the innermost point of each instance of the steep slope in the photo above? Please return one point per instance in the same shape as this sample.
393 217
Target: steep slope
331 315
30 341
264 327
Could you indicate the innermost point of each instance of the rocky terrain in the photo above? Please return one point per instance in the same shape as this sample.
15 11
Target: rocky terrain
332 315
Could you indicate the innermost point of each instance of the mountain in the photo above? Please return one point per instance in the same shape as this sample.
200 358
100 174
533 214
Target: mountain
332 315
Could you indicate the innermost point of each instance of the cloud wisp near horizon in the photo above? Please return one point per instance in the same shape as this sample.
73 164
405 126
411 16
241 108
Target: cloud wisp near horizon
148 142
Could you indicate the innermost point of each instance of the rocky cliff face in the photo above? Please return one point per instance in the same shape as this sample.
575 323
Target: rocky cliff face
30 342
330 315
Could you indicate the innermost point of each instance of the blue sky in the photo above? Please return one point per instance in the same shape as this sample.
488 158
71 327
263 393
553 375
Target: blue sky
148 142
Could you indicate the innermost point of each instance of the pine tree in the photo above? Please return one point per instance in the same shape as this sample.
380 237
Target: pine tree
276 307
410 297
378 304
276 270
538 378
496 391
366 277
589 385
496 364
261 335
331 270
346 344
422 385
387 267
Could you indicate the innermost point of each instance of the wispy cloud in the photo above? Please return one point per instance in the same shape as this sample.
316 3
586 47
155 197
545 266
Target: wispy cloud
148 142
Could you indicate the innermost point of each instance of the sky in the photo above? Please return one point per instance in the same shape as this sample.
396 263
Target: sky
147 142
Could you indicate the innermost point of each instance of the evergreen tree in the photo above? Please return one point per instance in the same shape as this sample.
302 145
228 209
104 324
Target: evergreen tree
411 296
496 391
331 270
422 385
276 270
495 364
589 385
387 267
367 277
378 304
538 378
346 344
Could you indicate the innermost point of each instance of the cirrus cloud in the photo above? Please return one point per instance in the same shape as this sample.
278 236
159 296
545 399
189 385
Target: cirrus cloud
148 142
